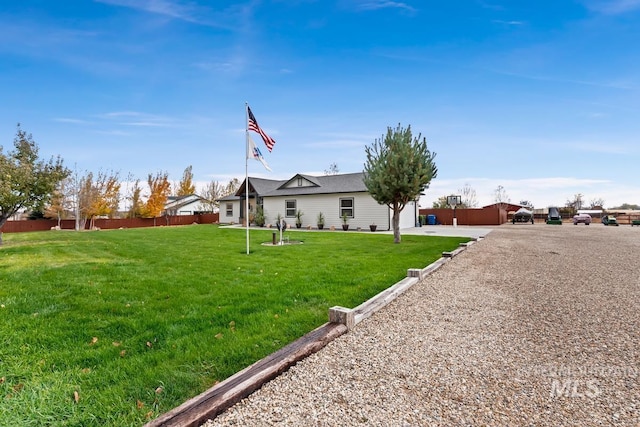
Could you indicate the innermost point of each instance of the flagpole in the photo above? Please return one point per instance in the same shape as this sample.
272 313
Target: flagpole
246 171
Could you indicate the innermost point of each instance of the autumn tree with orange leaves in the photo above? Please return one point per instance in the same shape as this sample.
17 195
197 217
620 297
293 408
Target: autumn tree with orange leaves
99 196
159 188
186 186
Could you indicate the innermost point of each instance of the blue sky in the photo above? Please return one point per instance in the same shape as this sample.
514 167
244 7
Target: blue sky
539 97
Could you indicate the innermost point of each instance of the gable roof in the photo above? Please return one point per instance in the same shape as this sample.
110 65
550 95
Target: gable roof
328 184
177 202
260 186
308 180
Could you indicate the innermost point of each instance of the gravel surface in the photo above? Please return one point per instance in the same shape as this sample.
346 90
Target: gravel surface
535 325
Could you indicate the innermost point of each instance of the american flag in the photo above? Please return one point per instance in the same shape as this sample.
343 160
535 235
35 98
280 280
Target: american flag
253 125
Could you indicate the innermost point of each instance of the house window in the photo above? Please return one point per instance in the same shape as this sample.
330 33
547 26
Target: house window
346 207
229 209
299 182
290 208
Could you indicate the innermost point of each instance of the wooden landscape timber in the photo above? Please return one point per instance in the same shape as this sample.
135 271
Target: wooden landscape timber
351 317
453 253
214 401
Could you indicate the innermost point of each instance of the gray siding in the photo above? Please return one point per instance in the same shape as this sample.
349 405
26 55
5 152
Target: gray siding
366 210
235 217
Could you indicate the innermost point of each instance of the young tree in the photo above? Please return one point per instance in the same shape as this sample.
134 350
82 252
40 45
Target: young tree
468 196
159 187
25 180
186 186
212 192
57 207
136 208
333 169
72 186
107 195
397 169
575 204
597 203
85 197
441 203
98 195
500 197
231 187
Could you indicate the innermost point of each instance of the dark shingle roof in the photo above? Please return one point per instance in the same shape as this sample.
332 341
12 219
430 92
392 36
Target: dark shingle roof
262 186
328 184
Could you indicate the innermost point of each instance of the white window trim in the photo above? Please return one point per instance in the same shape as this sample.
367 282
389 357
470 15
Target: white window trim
352 208
287 208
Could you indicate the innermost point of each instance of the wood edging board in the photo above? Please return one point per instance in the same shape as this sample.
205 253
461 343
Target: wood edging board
374 304
196 411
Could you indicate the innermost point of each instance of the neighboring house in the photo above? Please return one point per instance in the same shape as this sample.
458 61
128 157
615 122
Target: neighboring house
186 205
509 207
333 195
595 213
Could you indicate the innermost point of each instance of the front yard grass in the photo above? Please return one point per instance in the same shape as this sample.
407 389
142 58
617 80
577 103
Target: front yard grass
113 328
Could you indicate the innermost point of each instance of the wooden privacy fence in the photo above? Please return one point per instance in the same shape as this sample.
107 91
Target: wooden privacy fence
482 216
109 224
627 218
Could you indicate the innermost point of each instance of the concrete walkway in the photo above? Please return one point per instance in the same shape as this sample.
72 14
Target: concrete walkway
446 230
425 230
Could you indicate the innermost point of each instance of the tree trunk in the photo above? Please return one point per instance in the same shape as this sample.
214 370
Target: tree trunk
3 219
396 223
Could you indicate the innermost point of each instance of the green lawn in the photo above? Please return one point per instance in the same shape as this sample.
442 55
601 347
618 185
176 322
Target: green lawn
113 328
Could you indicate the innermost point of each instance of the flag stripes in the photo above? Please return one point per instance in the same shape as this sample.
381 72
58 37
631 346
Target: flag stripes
253 126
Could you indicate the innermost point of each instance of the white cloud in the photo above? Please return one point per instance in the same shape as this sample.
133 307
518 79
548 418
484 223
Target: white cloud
511 23
613 7
71 120
162 7
385 4
136 118
186 11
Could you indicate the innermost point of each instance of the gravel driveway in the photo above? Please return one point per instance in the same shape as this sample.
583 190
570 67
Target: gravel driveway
535 325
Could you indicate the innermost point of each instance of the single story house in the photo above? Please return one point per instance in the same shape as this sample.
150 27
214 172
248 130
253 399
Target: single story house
191 204
331 195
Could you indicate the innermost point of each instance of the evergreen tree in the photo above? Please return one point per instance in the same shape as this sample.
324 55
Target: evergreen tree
398 168
26 182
